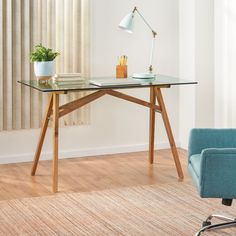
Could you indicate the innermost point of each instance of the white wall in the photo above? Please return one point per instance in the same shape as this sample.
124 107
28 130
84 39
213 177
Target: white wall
186 68
204 64
196 62
116 126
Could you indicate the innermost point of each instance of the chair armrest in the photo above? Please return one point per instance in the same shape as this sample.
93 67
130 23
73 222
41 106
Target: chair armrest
218 173
210 138
218 151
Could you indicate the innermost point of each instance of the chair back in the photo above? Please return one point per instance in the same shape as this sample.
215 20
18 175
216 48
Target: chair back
211 138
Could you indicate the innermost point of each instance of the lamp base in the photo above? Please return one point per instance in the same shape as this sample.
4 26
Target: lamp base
144 76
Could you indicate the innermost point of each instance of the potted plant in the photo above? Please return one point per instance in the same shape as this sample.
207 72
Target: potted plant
43 62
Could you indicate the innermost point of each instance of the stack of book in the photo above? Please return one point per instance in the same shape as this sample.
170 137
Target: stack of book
70 78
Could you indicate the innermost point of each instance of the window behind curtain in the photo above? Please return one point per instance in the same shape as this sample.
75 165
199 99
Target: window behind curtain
59 24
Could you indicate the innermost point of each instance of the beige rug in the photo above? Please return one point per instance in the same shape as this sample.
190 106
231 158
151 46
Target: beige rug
173 209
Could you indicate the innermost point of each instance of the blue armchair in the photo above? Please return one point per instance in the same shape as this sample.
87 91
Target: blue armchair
212 166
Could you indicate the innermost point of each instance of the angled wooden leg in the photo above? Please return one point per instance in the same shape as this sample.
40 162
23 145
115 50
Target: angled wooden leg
55 119
152 125
42 135
169 133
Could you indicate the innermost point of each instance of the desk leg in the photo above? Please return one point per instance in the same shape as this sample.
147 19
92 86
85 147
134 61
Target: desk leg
55 142
169 133
152 125
42 135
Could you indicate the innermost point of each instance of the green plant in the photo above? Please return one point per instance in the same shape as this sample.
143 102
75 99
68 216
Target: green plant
42 53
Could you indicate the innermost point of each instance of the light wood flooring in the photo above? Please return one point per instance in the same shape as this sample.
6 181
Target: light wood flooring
90 174
118 194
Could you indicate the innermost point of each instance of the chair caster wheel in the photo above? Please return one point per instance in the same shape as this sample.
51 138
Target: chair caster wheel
206 223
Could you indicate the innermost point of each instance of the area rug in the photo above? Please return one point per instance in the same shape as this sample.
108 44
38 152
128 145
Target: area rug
167 209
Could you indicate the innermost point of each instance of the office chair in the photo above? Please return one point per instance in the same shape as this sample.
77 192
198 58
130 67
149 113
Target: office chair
212 166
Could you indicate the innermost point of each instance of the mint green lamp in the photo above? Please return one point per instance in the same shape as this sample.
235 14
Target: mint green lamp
127 24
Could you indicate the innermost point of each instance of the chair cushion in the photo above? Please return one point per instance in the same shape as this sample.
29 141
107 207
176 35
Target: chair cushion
195 178
195 161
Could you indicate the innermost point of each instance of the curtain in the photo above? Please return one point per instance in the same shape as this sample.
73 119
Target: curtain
225 63
54 23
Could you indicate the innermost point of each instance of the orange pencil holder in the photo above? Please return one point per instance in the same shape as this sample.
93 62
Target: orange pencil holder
121 71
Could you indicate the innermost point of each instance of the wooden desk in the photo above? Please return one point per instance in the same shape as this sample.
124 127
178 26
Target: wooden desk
56 111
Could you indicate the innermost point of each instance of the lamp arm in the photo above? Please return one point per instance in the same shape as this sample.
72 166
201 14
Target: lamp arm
153 39
151 55
145 21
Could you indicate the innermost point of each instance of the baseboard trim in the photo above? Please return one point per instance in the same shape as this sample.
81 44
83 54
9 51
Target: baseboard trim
28 157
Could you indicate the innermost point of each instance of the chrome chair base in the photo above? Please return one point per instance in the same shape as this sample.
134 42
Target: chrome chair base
207 226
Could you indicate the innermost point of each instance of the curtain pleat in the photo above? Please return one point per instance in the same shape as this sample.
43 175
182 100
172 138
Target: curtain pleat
8 91
36 29
16 58
23 24
26 68
2 16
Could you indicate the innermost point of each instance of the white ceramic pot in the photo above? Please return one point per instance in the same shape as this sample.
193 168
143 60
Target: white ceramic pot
44 69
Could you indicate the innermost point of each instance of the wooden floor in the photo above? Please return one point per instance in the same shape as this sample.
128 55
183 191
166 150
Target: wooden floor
90 174
118 194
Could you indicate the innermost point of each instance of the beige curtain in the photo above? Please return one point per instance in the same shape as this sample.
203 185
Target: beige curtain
59 24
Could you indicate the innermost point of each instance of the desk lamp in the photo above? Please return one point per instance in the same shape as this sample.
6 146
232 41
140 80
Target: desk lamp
127 24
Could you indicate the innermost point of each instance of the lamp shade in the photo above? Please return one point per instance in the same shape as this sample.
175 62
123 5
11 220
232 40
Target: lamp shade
127 23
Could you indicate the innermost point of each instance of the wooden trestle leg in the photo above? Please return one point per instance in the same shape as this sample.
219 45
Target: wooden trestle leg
160 100
152 125
42 135
55 124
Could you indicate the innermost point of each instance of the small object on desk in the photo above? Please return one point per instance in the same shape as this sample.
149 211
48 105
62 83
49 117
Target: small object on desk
144 76
122 68
114 82
65 75
67 78
121 72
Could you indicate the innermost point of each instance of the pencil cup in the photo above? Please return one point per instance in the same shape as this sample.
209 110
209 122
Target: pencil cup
121 71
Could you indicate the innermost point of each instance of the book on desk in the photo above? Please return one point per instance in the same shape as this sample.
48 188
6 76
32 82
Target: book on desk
67 78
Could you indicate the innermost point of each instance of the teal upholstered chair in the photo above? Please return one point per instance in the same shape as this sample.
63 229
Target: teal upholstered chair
212 166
